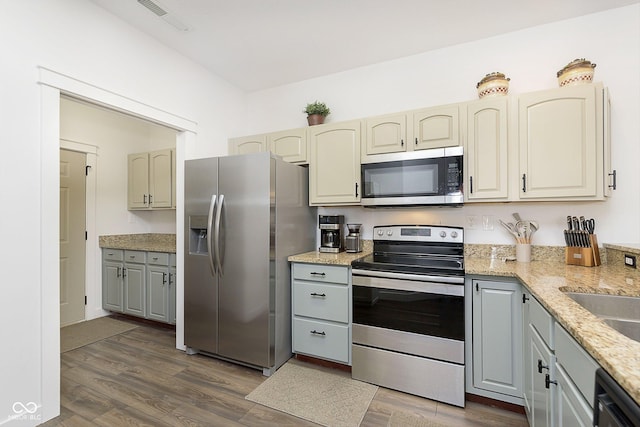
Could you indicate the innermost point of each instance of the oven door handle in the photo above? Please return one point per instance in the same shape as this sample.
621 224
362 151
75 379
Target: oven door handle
430 287
404 276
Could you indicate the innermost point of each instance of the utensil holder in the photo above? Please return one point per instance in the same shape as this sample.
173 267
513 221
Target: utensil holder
586 257
523 252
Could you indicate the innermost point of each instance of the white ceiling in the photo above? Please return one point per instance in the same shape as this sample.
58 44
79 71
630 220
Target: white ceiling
258 44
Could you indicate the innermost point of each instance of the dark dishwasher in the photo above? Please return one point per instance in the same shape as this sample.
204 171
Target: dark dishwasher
613 407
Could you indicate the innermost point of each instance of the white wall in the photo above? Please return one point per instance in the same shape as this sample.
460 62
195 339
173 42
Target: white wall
78 39
531 59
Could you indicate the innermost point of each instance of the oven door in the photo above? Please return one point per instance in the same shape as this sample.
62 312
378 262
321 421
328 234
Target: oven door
421 318
422 181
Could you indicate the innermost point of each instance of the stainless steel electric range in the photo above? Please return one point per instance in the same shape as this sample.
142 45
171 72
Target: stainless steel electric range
408 312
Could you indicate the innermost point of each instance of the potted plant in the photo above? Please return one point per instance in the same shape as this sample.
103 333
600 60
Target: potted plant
316 112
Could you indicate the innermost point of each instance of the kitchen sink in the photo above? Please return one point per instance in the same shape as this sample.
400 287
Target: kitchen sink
622 313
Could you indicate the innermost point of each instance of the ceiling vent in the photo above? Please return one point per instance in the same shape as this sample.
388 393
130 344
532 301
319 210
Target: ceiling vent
169 18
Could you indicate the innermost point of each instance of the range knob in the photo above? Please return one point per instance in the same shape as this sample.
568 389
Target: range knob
380 232
454 234
443 234
389 232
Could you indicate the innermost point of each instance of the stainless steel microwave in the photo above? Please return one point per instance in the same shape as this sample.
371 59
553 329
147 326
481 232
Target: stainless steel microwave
427 177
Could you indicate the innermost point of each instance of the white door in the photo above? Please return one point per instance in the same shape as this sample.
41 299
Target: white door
72 236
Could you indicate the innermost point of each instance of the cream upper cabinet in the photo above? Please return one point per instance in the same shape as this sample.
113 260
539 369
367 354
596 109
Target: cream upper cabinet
436 127
248 144
561 143
486 150
423 129
151 180
138 181
385 134
334 164
291 145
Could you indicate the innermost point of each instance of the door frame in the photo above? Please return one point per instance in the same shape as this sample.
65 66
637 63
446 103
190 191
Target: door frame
52 86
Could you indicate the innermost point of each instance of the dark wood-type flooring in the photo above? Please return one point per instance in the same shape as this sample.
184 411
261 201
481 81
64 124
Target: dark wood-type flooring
138 378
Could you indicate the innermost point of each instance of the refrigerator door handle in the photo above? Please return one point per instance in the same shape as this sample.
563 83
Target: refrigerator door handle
210 236
219 254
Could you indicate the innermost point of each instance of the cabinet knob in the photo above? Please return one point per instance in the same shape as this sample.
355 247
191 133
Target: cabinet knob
547 381
541 367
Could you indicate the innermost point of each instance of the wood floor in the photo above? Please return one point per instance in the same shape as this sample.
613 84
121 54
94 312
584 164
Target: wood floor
138 378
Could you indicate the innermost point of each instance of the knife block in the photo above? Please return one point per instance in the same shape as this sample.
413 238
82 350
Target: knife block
586 257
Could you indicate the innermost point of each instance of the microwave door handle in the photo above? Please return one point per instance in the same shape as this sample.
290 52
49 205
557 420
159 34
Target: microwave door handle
219 252
210 236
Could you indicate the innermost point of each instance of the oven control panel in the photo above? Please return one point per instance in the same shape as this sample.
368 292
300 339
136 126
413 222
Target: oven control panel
419 233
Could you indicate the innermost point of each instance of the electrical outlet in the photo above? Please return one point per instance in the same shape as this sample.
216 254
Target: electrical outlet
630 260
472 222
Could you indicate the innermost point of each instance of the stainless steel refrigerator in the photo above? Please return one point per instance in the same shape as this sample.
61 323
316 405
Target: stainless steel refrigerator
244 215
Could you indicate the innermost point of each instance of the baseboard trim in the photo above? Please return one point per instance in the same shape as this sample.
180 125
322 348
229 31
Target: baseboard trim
322 362
495 403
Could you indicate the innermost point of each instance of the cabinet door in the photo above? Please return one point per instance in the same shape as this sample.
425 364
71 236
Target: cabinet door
158 293
172 295
436 128
248 144
559 143
112 286
541 414
173 179
497 336
334 167
385 134
138 177
572 409
486 150
291 145
134 289
160 179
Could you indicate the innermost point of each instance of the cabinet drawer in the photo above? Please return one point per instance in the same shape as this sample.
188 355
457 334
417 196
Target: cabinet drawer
576 362
135 256
321 339
543 322
322 301
321 273
112 254
158 258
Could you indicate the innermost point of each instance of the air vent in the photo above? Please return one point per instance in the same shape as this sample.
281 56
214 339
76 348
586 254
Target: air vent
169 18
153 7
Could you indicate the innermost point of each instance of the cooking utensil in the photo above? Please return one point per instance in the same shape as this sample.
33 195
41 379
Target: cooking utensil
516 216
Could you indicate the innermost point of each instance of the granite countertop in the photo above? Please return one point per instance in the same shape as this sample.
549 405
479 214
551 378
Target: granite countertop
547 281
151 242
341 258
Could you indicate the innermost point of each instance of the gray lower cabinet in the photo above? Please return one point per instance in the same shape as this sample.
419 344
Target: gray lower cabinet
158 287
112 281
139 283
135 283
494 356
559 374
321 311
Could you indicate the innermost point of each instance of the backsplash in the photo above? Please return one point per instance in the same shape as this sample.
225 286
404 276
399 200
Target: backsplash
538 253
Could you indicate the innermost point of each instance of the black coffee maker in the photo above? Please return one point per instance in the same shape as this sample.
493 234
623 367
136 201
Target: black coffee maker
331 239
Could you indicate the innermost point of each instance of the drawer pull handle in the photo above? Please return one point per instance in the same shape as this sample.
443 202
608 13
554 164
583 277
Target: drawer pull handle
314 294
548 381
314 332
541 367
155 258
313 273
132 256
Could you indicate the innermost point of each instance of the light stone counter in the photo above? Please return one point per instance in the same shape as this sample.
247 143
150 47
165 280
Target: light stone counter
342 258
151 242
547 280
